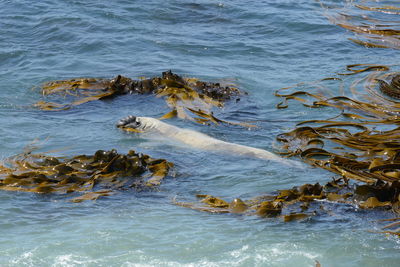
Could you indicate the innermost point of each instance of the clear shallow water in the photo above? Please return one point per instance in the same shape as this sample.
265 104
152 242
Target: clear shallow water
260 45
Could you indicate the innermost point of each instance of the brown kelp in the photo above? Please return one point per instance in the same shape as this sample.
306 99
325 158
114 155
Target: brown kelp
374 23
274 205
362 142
305 201
183 95
93 176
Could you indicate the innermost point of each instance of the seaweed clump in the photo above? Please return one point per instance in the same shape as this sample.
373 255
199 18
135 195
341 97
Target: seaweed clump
182 95
94 175
288 204
305 201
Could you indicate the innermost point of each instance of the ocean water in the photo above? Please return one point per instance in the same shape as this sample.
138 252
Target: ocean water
259 45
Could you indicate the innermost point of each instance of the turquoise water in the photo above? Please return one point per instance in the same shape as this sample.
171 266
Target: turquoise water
259 45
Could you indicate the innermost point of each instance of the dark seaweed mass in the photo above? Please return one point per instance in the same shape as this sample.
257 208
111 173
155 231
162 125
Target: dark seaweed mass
124 85
188 98
106 171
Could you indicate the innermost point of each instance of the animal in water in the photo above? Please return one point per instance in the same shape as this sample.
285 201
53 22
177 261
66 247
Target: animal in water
197 139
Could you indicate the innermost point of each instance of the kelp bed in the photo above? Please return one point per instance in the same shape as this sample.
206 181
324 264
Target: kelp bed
188 98
91 176
361 143
374 24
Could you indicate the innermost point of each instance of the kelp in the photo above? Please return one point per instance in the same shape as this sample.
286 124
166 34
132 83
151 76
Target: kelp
391 88
307 201
376 25
188 98
362 142
276 205
93 176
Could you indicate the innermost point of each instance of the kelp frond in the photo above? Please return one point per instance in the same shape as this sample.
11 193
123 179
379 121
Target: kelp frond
309 200
100 174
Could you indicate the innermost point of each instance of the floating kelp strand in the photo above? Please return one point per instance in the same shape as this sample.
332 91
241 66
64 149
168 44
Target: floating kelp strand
367 23
359 68
394 224
385 9
369 30
92 195
347 104
50 106
367 44
375 108
39 173
322 98
62 86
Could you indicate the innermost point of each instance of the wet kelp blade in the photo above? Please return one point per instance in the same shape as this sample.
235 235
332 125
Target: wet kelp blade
72 86
94 176
188 98
358 68
92 196
75 92
375 24
384 9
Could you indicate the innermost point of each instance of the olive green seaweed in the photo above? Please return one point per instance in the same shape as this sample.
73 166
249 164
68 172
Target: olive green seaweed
362 142
188 98
366 22
93 176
